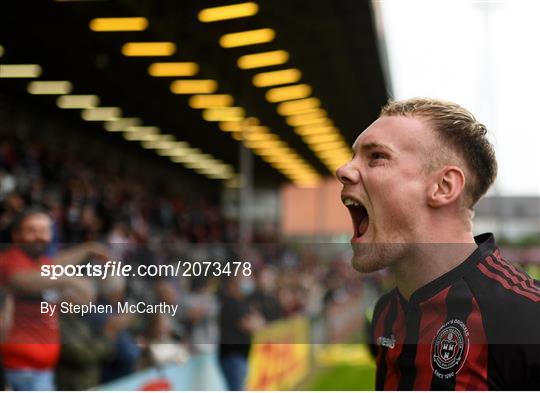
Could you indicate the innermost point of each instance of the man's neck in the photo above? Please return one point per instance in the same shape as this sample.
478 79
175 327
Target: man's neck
429 261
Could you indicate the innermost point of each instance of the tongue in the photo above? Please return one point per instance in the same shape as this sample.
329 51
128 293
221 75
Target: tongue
362 227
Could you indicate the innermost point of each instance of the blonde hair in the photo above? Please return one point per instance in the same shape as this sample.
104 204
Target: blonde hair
461 133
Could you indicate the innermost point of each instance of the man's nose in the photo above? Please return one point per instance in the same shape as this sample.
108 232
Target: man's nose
348 174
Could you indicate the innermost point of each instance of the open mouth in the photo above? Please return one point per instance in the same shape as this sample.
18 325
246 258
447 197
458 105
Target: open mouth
359 215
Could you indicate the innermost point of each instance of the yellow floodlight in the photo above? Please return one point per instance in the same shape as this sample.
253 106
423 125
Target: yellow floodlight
122 124
148 49
194 86
297 106
298 112
319 147
309 118
315 129
118 24
218 166
139 136
193 158
220 176
203 164
77 101
20 70
101 114
316 139
274 151
173 69
181 149
238 126
162 145
185 155
271 147
312 112
273 78
143 130
287 93
49 87
225 12
262 143
230 126
203 101
161 140
231 113
261 136
316 122
142 134
250 37
263 59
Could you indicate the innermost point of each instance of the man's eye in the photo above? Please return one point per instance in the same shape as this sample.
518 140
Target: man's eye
376 156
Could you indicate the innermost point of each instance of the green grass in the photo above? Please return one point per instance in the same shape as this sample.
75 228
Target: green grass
344 377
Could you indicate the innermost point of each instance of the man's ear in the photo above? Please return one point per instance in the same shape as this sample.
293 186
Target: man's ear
446 187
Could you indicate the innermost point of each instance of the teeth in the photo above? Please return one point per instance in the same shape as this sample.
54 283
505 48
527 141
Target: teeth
350 202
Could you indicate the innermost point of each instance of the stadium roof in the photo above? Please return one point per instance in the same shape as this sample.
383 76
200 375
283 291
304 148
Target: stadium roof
326 49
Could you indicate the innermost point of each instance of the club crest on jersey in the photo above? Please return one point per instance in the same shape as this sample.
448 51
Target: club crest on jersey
388 342
449 349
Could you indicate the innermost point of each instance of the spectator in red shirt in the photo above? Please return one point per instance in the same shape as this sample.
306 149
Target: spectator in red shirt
32 346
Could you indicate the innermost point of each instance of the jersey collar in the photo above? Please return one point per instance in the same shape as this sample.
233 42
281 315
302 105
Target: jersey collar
486 246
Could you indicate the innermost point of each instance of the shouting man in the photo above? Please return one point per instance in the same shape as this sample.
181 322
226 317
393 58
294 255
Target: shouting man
461 317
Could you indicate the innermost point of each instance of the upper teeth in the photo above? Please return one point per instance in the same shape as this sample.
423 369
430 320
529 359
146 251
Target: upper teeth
350 202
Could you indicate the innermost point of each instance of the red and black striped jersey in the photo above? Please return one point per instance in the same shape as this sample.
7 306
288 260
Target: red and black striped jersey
477 327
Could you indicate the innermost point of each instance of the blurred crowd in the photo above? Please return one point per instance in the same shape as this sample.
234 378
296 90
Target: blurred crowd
90 201
57 208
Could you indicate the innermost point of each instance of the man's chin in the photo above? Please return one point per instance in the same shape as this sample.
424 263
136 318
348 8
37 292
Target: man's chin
365 265
371 257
